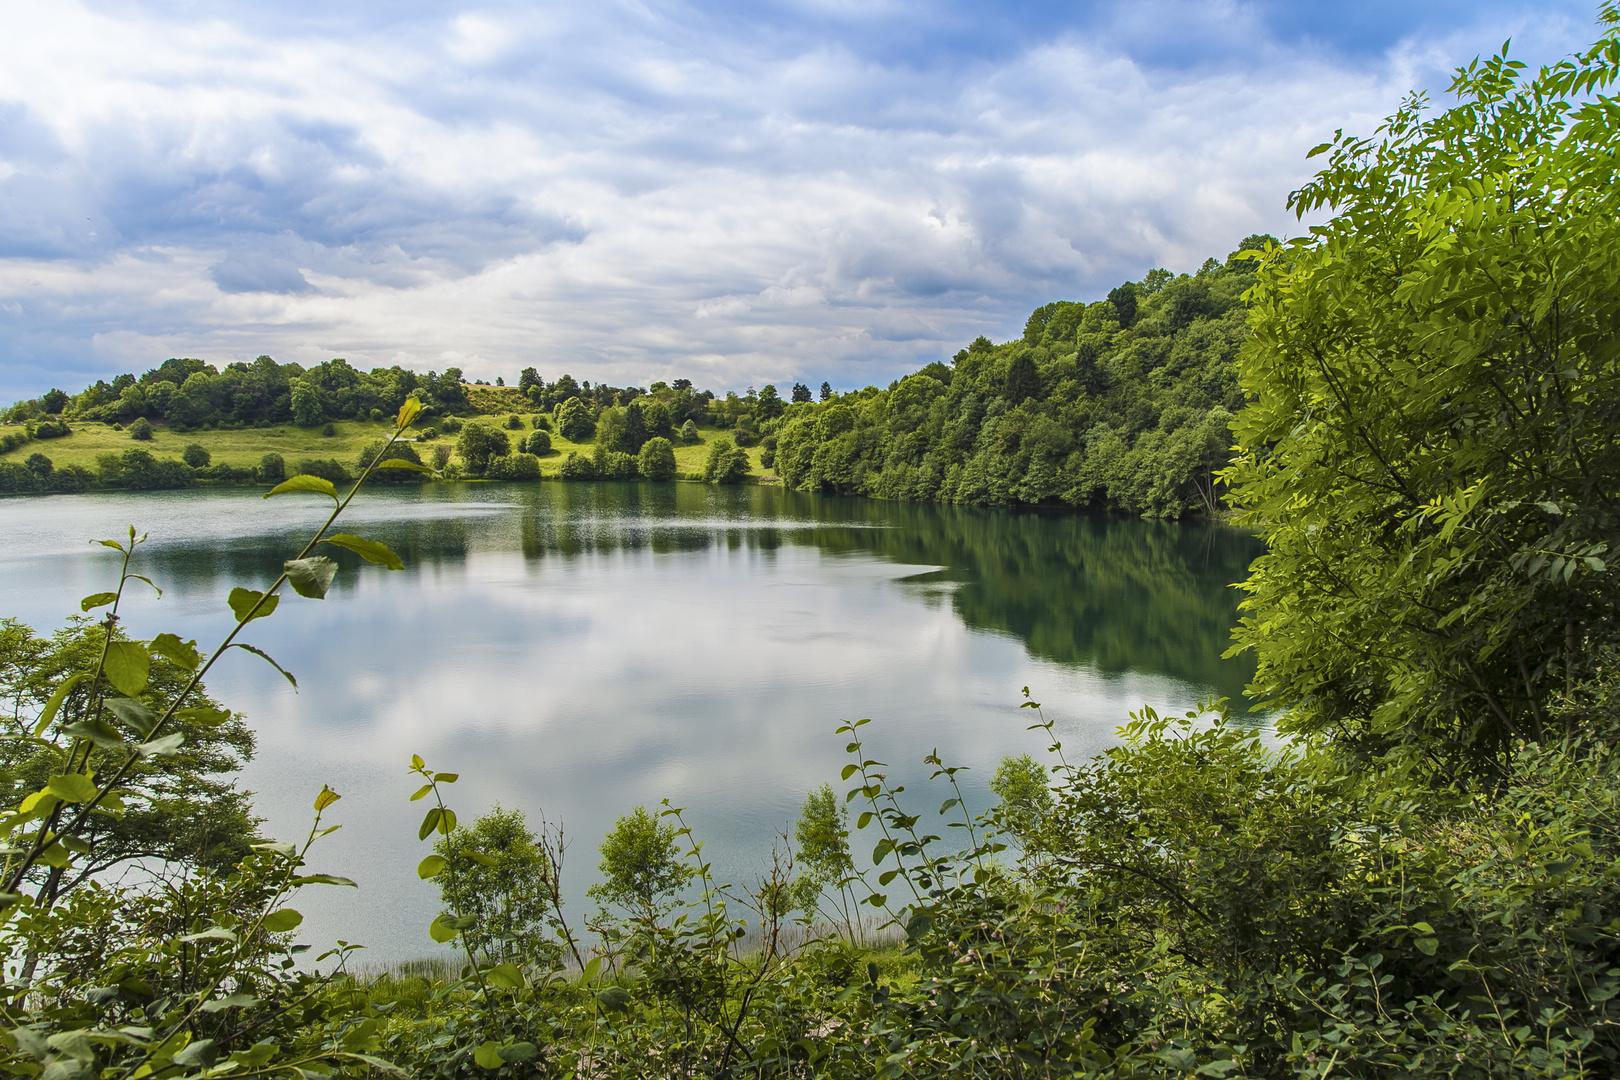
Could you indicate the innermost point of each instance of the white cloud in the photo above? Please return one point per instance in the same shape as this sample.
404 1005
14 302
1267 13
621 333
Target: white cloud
618 190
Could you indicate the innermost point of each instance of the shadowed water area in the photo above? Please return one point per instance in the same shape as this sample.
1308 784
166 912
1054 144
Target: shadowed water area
576 649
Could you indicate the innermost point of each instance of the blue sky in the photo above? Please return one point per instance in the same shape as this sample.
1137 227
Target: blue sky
629 190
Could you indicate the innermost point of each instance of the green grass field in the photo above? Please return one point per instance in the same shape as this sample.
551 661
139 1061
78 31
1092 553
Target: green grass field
243 448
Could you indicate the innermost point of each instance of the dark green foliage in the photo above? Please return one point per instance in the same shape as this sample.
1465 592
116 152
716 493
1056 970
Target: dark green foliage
514 422
478 444
195 456
577 466
329 430
51 429
613 464
688 435
400 451
325 468
656 460
514 467
1081 410
140 471
801 393
140 430
538 442
272 469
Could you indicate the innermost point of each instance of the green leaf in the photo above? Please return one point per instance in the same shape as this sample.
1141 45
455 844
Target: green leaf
429 823
279 922
234 1001
522 1051
446 777
441 931
163 746
48 713
72 787
401 463
276 847
421 791
170 647
1427 945
98 732
430 867
447 822
203 716
325 879
311 577
244 601
615 998
505 976
95 600
133 713
408 412
489 1055
305 483
201 1054
326 798
372 551
261 654
127 666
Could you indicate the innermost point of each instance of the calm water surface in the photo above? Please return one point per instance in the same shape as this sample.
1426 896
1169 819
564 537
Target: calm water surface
576 649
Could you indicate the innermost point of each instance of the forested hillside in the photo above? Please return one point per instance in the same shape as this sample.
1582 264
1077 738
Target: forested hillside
1125 403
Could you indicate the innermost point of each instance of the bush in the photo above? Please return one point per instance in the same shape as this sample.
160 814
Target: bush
514 422
576 466
402 451
516 467
272 469
689 434
450 426
18 480
376 416
726 464
538 443
51 429
540 422
657 459
138 470
325 468
195 456
329 430
614 464
140 430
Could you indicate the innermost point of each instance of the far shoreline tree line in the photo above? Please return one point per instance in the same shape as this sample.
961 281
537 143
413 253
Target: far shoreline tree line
1125 404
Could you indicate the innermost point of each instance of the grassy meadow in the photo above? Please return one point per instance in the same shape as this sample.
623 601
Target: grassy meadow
243 447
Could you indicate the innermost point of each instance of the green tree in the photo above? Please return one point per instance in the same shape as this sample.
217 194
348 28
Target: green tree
400 451
689 434
478 443
307 407
1430 455
726 464
140 430
183 808
196 456
640 864
272 469
657 459
574 420
1025 793
538 443
821 836
498 874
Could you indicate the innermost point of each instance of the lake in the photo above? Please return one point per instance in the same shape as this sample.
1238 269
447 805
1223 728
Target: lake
577 649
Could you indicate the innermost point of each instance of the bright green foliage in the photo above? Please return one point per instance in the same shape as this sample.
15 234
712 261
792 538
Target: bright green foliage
479 443
497 874
612 464
688 435
574 420
1026 796
821 836
1431 452
656 460
726 464
640 864
538 442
